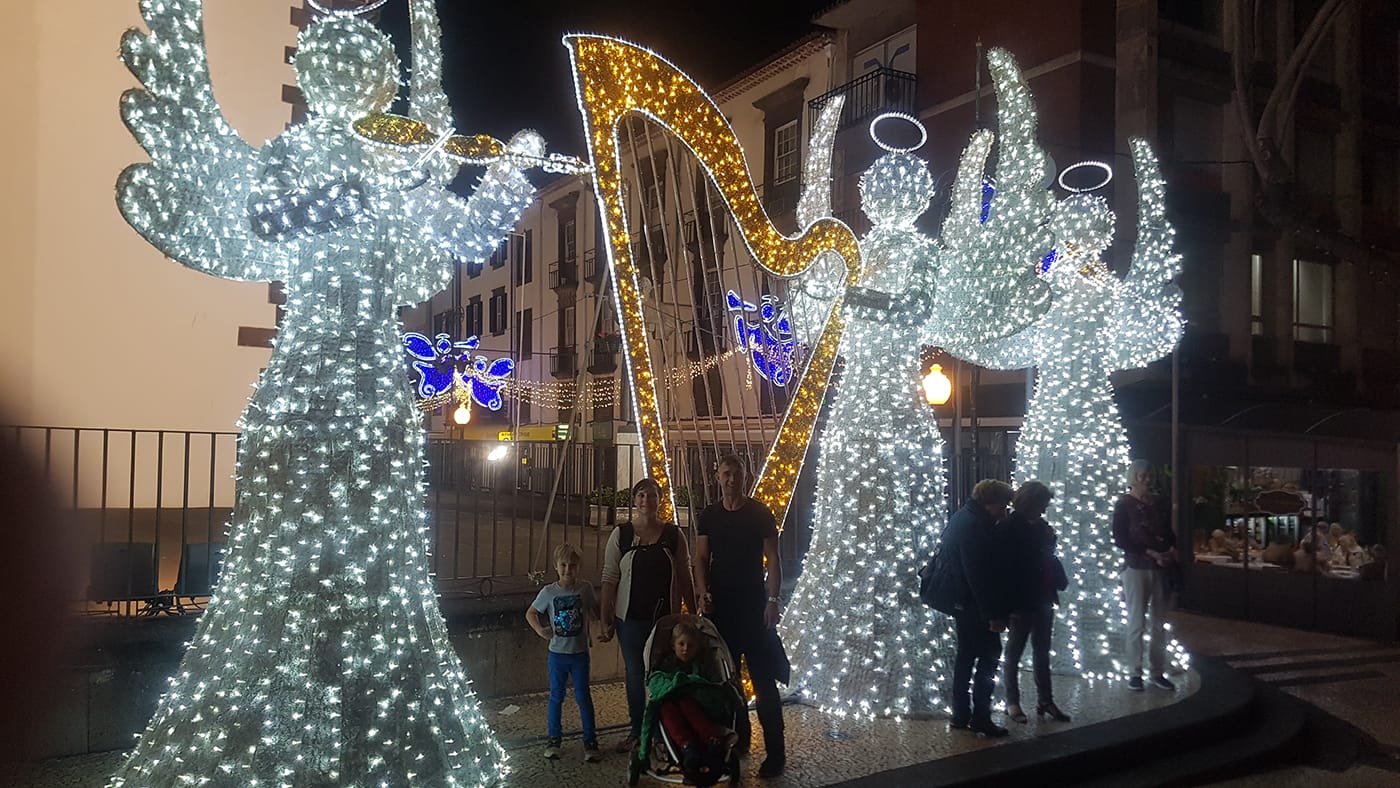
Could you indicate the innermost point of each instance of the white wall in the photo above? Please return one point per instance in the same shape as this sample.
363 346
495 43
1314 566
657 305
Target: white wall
96 327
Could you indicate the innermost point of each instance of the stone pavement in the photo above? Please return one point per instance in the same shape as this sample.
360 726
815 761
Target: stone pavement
1349 682
822 748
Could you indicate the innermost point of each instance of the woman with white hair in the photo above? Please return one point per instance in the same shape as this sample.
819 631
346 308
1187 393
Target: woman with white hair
1141 530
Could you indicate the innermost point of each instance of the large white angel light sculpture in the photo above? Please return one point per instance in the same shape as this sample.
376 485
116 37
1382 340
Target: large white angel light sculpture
881 504
1073 438
323 657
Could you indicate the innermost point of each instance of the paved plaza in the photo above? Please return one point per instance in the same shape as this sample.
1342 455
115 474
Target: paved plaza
1330 673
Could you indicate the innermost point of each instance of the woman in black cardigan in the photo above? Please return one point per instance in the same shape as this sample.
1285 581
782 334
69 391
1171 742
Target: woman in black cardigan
1035 577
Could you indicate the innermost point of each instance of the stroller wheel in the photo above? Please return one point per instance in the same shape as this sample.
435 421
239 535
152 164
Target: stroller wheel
634 769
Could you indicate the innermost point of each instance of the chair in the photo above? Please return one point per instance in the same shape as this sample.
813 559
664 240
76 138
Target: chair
122 572
199 568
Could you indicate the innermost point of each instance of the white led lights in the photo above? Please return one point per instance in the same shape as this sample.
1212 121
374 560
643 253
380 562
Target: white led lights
910 119
367 7
323 658
1073 438
1105 171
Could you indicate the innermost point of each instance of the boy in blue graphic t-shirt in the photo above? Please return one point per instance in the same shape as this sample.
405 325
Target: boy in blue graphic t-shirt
560 614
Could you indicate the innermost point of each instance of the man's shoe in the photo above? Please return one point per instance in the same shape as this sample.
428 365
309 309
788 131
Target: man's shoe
988 728
591 754
772 766
551 750
1162 682
1135 684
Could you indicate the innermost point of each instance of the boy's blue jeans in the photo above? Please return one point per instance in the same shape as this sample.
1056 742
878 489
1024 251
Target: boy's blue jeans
562 668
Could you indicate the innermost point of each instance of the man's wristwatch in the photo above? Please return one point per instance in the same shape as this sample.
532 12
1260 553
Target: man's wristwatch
773 600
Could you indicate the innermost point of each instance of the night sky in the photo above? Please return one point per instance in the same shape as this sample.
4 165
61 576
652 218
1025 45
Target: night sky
505 68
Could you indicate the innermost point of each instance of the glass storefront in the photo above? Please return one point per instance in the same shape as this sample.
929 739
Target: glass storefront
1324 520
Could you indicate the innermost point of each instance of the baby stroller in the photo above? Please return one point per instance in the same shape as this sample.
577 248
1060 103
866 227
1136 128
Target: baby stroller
659 757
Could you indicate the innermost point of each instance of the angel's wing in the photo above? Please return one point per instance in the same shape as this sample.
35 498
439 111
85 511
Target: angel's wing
191 200
988 286
1146 322
427 99
814 290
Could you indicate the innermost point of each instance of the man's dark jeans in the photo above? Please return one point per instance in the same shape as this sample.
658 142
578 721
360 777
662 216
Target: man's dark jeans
979 650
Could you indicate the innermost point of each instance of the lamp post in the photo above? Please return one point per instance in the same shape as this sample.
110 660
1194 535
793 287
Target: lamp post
938 388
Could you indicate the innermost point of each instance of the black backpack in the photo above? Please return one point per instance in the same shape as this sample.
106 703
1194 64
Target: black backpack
939 585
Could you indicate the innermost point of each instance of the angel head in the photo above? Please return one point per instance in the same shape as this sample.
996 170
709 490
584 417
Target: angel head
346 68
1082 226
897 188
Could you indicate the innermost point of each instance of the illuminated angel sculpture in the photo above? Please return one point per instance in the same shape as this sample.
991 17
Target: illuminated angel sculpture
323 658
1073 438
861 642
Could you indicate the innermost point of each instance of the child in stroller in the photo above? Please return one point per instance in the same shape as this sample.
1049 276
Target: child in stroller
693 698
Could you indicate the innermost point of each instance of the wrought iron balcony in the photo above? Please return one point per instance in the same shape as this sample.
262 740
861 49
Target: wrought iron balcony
878 91
563 362
563 274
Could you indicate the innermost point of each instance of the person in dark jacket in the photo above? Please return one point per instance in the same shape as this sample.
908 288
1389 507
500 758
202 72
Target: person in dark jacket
969 545
1034 578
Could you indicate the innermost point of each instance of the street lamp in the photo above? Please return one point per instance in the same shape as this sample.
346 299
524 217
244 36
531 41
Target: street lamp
498 453
938 389
462 414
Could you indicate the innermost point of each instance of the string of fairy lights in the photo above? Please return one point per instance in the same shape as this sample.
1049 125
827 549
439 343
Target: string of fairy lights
595 393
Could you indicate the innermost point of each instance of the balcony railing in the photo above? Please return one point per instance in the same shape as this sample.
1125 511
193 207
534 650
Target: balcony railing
881 90
604 361
563 362
595 267
563 274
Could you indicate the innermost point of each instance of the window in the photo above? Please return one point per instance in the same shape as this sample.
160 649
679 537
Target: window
1380 183
498 311
1202 15
566 327
522 257
474 268
568 240
785 152
498 257
1256 295
473 328
1317 175
1312 301
525 335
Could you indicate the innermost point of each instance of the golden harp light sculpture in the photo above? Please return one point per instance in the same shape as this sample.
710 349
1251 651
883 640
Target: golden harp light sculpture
613 79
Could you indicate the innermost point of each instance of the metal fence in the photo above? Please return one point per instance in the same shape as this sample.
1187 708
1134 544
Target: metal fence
150 509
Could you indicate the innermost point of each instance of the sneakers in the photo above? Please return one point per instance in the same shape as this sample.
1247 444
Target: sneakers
988 728
591 754
772 766
1161 682
1135 684
551 750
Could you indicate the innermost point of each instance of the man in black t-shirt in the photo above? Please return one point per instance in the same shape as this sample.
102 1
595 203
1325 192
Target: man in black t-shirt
735 538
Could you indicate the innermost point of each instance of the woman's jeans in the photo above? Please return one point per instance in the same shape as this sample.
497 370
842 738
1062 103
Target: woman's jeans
632 638
562 668
1034 624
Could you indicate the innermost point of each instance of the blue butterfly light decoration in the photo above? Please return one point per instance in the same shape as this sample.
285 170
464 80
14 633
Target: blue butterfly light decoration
436 361
770 341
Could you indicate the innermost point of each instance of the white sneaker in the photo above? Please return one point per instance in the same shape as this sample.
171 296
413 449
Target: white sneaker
551 750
